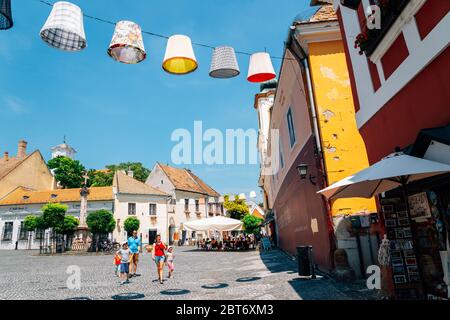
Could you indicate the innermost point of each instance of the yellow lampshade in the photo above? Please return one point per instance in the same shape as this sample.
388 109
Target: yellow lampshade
179 57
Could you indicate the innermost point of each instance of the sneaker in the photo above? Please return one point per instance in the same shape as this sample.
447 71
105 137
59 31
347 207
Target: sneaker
161 281
122 282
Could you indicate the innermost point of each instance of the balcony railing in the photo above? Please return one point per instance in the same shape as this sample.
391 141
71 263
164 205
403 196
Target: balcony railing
369 39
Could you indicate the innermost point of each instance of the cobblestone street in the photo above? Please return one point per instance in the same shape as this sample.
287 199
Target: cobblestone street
198 275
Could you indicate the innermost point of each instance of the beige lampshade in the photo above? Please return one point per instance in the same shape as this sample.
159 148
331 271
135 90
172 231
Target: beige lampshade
64 27
179 57
242 196
260 68
127 45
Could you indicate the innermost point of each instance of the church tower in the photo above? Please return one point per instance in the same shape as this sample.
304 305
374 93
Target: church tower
63 150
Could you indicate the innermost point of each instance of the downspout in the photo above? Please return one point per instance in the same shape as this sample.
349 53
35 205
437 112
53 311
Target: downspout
296 49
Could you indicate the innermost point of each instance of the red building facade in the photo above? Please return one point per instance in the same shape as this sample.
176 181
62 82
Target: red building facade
400 78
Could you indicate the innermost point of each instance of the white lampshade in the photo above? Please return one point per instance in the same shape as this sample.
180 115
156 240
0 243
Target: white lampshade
242 196
224 63
64 27
127 45
221 199
260 68
179 57
252 194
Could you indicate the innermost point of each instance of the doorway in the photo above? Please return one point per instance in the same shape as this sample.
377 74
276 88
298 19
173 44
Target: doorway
152 236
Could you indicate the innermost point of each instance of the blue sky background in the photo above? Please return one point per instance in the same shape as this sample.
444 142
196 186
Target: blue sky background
112 112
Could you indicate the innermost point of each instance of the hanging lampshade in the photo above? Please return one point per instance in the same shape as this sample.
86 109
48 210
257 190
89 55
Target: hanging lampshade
64 27
252 194
127 45
260 68
6 21
242 196
179 57
224 64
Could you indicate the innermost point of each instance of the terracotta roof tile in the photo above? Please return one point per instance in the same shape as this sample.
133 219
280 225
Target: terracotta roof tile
25 196
129 185
185 180
323 14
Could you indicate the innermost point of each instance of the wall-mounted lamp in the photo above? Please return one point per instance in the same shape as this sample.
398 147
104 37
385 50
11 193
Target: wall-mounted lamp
303 172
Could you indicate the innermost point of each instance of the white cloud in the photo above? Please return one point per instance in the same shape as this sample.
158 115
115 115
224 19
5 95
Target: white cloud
15 105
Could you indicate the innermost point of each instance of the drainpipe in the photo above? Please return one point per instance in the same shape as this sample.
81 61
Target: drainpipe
300 55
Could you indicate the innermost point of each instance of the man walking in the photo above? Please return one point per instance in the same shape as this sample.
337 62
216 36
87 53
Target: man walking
133 243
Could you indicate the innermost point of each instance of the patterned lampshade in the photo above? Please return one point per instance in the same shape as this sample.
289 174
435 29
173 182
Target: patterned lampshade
224 63
6 21
179 57
260 68
127 45
64 28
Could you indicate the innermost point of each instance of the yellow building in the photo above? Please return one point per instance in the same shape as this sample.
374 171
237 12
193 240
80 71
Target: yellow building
24 170
342 146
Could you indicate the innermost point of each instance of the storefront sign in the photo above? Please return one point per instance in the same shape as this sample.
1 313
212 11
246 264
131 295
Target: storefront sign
419 206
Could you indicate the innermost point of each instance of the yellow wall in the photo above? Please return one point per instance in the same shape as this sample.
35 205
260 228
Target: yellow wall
343 146
32 173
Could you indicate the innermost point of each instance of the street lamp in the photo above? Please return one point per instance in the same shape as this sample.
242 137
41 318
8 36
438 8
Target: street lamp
303 172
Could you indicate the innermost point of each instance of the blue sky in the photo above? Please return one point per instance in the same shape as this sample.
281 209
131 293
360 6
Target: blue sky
112 112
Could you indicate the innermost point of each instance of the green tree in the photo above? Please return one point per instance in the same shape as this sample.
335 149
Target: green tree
69 225
252 224
53 217
237 208
100 178
68 172
100 222
40 223
29 223
139 171
131 224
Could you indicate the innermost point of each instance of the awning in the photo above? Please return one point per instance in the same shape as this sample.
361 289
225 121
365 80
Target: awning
217 223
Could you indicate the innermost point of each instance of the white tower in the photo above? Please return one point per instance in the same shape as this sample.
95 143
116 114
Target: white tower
63 150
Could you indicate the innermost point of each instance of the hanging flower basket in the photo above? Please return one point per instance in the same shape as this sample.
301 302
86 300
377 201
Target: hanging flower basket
367 41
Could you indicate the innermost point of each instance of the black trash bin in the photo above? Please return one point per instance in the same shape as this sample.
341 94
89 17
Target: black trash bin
305 261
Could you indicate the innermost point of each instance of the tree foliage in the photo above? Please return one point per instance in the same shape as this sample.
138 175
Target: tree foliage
131 224
252 224
40 223
68 226
29 223
236 208
53 215
139 171
100 178
68 172
101 222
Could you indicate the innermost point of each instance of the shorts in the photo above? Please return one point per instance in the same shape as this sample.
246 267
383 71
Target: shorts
159 259
170 265
125 267
134 258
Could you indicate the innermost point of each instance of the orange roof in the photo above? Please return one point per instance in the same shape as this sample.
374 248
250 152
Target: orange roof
26 196
185 180
257 214
129 185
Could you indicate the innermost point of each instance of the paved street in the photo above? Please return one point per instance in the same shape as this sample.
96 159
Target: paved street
199 275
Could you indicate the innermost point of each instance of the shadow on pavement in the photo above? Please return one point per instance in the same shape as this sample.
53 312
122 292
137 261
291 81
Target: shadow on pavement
276 261
215 286
128 296
248 279
79 298
175 292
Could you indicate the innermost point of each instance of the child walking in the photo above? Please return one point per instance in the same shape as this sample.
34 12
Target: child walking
116 263
124 254
169 259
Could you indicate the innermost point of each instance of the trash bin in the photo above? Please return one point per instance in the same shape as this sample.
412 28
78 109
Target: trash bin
304 258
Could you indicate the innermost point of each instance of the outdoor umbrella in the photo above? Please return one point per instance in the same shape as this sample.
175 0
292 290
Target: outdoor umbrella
395 170
218 223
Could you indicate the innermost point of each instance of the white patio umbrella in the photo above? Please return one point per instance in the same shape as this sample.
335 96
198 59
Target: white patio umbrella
218 223
397 169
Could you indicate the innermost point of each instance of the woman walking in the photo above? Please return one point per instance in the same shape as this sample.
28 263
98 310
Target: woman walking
158 255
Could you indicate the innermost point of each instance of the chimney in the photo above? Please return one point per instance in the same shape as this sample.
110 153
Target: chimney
22 149
6 156
130 173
